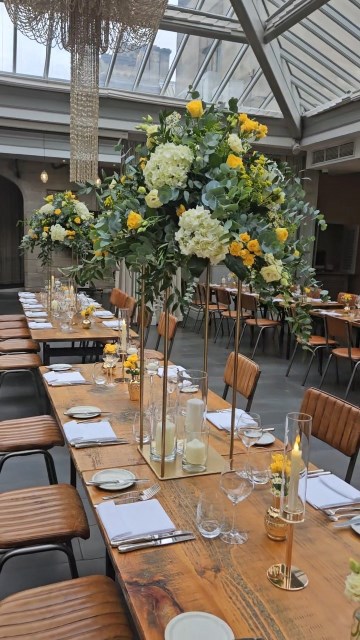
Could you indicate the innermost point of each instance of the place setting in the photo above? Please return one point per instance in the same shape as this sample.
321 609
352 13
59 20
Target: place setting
85 434
63 375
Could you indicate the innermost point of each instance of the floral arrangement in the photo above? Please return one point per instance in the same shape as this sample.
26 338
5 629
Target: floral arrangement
352 591
346 298
86 313
132 366
62 222
198 194
280 465
110 348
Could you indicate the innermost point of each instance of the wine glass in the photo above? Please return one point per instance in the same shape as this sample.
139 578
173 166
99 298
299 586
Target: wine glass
110 360
237 485
249 430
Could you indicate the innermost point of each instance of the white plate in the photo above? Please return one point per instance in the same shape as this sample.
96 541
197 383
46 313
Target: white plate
114 474
356 527
83 411
59 367
266 438
105 316
198 625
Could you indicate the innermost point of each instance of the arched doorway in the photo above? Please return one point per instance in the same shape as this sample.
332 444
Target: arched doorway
11 211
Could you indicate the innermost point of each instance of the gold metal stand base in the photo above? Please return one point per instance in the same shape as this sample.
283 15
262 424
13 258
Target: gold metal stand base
280 577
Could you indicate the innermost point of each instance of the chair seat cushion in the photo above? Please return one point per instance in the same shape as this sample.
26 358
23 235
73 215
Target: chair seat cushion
13 324
39 515
20 332
20 361
36 432
319 341
13 317
342 352
262 322
87 607
12 345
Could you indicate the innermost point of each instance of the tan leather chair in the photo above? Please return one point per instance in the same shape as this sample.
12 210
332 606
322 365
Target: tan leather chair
88 608
316 345
349 303
13 317
13 345
340 330
250 303
118 298
153 353
30 436
130 305
41 519
18 332
248 374
22 363
335 422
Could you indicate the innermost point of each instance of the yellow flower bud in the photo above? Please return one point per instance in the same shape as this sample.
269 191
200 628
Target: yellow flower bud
77 220
234 162
180 210
57 212
281 234
195 108
134 220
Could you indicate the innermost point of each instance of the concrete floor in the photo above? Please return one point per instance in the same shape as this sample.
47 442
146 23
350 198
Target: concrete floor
275 396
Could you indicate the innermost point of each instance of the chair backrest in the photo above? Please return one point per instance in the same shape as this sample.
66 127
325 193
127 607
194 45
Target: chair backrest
130 304
349 303
118 298
248 374
223 296
172 325
249 302
335 422
147 323
338 329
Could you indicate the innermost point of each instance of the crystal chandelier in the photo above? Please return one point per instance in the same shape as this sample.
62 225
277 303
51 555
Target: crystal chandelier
87 29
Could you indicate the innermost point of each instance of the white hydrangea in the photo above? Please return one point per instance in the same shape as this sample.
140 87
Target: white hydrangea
201 235
47 208
235 143
169 164
172 122
57 232
82 211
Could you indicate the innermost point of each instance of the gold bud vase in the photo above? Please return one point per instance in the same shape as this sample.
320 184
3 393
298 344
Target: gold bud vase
275 528
134 390
86 323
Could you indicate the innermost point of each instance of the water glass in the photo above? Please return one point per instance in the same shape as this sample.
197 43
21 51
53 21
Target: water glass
248 429
99 375
259 466
210 514
146 427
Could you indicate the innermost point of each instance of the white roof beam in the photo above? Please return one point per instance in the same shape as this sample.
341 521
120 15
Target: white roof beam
289 14
268 56
202 23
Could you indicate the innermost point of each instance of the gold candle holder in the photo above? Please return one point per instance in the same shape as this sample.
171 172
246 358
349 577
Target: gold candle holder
293 497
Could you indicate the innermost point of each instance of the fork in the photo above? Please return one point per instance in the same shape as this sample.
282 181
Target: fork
144 495
343 515
332 512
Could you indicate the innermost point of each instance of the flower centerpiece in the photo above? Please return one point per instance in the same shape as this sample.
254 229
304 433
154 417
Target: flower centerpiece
110 348
63 222
132 368
280 467
352 591
86 315
346 299
199 194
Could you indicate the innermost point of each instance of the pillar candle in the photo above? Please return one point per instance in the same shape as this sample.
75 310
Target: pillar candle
123 336
194 413
169 437
195 452
296 467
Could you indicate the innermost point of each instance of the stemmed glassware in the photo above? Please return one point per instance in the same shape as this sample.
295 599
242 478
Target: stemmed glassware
249 431
237 485
110 360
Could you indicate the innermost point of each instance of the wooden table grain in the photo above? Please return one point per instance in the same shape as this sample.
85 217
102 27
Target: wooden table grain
208 575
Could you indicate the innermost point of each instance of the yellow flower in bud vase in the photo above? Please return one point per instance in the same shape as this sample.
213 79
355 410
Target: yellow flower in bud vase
281 234
234 162
134 220
244 237
195 108
57 212
77 220
254 247
262 131
180 210
235 248
110 348
49 198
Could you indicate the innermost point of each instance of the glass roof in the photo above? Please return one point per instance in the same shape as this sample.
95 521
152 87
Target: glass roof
202 43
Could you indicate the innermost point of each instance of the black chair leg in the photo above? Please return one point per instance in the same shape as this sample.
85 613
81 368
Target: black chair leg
351 380
256 343
292 360
325 371
309 367
225 392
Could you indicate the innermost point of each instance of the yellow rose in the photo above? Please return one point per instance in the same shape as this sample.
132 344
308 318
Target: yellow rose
195 108
254 247
70 233
110 348
46 229
249 126
133 357
244 237
235 248
77 220
134 220
180 210
271 273
152 199
242 118
57 212
49 198
262 131
234 162
68 194
281 234
249 260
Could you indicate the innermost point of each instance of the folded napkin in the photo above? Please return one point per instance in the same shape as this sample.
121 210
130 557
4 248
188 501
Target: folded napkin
88 430
26 294
103 313
33 305
314 299
35 314
171 372
134 519
73 377
223 420
329 490
40 325
111 324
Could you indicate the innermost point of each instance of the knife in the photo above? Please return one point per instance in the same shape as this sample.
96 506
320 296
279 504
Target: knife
340 504
124 548
125 481
347 523
94 443
115 540
100 439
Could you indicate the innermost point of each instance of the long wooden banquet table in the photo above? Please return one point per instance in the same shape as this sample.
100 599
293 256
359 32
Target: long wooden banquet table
228 581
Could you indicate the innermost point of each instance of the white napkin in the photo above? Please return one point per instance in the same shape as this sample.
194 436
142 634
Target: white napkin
278 299
26 294
223 420
88 430
328 490
172 371
73 377
111 324
33 305
36 314
40 325
134 519
315 299
103 313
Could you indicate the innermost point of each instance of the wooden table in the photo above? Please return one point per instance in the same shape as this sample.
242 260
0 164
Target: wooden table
209 575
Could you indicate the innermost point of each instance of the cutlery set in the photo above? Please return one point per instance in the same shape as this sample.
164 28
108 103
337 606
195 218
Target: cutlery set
83 443
134 496
154 540
100 483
